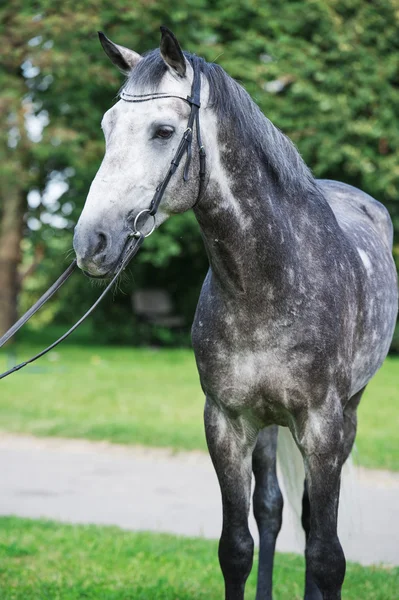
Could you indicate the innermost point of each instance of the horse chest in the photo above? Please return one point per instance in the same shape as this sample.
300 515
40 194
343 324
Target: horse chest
269 367
241 377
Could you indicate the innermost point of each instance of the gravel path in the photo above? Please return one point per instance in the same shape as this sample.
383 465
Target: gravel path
150 489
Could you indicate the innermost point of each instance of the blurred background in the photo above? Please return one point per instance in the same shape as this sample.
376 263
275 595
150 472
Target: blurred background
325 72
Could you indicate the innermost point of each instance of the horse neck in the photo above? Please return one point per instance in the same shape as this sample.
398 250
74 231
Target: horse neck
251 226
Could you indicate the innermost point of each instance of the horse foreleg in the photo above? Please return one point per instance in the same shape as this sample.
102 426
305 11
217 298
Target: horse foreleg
268 506
320 437
231 443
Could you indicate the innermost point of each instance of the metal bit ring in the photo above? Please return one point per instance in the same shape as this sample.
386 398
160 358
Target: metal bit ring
136 232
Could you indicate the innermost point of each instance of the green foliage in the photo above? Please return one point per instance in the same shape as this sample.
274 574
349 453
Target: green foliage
334 63
152 397
44 559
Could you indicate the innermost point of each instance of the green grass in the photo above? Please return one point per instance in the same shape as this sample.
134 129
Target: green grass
153 397
43 560
123 395
377 442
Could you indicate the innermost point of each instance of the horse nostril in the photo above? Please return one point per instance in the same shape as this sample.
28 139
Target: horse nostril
102 244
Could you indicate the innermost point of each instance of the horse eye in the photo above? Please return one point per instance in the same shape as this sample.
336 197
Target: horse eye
164 132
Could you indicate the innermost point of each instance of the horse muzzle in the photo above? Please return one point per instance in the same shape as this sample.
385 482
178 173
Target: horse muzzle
98 253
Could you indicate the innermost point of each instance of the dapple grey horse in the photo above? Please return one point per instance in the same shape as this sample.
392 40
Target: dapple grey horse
296 313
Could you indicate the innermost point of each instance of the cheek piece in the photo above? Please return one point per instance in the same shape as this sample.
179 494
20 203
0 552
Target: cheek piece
132 247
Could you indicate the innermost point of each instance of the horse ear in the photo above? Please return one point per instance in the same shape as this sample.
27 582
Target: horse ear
121 57
171 52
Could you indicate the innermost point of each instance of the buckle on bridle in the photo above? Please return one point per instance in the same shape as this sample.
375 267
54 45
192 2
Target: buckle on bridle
136 233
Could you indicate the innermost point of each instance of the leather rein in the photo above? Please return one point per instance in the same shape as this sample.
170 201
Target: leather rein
132 247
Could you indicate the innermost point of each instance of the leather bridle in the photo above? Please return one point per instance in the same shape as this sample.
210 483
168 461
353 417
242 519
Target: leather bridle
138 236
185 145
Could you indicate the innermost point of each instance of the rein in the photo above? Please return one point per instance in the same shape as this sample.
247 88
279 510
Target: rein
131 247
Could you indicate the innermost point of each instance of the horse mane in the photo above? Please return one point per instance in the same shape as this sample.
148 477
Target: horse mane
233 105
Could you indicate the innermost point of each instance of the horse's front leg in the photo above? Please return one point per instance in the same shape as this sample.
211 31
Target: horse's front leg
320 437
230 443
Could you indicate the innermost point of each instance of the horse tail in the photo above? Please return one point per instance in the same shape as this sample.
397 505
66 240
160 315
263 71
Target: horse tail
291 471
291 474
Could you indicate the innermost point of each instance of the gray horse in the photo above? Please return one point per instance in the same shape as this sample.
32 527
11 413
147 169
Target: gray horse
296 313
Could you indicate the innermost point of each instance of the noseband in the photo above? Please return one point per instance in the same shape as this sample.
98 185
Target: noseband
184 147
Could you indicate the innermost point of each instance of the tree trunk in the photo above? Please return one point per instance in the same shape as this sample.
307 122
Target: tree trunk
11 230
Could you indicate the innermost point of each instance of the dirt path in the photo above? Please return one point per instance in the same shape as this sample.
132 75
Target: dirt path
143 488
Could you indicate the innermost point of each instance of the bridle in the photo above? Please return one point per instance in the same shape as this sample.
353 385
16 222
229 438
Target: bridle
185 144
132 247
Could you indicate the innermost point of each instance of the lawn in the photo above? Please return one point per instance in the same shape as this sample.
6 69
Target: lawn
42 560
153 397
